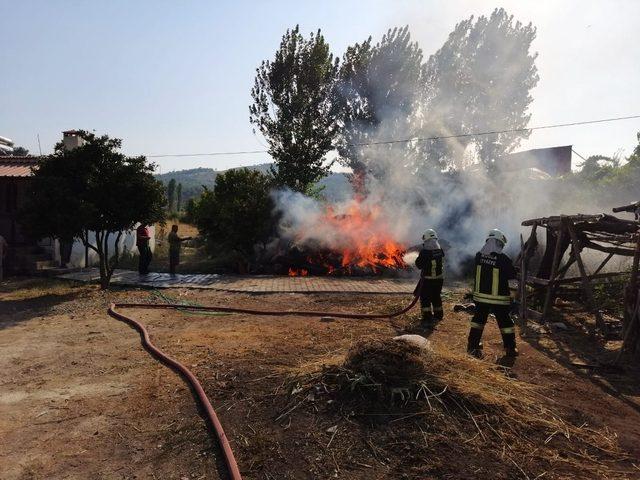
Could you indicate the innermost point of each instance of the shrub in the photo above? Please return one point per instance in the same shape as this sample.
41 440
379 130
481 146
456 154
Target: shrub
237 214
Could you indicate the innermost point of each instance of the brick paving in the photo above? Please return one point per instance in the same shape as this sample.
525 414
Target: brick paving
252 283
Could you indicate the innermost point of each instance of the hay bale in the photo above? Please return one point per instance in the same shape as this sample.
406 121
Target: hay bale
389 363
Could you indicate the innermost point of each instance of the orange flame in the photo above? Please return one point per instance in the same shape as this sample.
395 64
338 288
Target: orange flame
361 236
294 272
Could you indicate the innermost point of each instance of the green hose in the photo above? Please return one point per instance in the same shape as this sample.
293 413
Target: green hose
186 303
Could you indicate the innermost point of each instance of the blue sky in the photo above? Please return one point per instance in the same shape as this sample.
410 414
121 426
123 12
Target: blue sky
175 76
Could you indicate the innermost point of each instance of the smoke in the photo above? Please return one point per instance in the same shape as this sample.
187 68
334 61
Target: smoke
451 185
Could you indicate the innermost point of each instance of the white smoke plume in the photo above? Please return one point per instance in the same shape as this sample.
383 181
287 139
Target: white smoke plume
461 204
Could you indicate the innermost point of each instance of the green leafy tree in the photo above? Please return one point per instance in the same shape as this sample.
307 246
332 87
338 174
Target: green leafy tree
20 152
598 167
179 198
190 211
171 195
627 176
378 94
93 193
237 213
293 107
480 80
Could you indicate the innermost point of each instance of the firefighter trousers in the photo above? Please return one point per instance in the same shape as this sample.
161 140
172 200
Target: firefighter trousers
505 323
431 299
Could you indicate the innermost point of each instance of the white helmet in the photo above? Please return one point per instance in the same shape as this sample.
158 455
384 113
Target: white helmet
429 234
498 235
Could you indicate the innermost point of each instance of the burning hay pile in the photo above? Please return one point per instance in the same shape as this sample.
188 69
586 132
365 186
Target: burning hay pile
452 403
352 238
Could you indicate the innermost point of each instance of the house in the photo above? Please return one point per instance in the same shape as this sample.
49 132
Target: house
555 161
26 254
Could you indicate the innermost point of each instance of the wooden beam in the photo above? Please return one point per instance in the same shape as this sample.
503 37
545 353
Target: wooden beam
558 218
524 267
522 282
632 291
604 262
627 252
557 253
588 291
627 332
564 281
565 268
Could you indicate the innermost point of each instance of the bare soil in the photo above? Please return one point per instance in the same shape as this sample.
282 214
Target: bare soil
80 398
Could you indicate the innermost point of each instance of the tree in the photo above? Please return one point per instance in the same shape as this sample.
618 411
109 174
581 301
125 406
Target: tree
237 213
379 96
190 211
179 198
93 193
598 167
171 195
293 108
479 81
20 152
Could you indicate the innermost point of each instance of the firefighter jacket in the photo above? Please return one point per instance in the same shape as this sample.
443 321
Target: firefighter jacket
431 262
493 273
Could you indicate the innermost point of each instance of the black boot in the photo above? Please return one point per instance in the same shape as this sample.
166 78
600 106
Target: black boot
427 318
474 345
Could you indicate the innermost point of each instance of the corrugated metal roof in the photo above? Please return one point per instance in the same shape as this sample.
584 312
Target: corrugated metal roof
17 166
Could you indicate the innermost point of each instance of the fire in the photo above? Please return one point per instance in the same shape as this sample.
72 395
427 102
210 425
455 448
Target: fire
356 238
294 272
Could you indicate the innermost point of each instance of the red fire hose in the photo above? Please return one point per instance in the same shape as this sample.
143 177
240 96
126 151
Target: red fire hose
214 422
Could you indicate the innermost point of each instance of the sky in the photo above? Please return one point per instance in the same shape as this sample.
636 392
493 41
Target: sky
175 76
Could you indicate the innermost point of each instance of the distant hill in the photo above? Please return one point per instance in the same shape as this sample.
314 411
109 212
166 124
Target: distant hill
336 185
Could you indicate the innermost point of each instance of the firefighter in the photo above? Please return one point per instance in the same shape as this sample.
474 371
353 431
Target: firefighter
431 263
494 269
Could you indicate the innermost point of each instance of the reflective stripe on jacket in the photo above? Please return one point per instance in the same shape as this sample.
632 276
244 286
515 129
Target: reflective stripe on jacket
493 273
431 262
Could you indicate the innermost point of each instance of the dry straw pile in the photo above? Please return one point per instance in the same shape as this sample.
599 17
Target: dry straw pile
471 405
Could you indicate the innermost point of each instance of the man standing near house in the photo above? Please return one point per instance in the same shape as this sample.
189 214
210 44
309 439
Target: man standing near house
4 246
143 236
175 242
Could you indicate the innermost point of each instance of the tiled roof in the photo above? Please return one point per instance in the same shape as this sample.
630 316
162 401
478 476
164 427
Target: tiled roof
17 166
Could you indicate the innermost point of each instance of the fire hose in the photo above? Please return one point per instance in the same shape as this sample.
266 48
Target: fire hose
191 379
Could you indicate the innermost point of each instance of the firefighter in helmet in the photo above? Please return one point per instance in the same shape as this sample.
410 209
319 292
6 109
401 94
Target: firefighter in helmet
431 263
494 269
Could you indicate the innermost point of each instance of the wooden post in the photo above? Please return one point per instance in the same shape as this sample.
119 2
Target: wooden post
524 273
523 284
632 290
554 268
626 339
586 285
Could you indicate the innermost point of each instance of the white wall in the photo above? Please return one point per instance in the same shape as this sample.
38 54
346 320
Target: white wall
127 244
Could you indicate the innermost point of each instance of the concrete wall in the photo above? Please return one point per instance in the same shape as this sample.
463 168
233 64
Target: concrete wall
127 244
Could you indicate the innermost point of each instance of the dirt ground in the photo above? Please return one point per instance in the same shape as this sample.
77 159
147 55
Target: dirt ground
80 398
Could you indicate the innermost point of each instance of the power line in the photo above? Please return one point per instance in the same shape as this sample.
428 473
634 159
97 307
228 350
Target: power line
414 139
212 154
578 155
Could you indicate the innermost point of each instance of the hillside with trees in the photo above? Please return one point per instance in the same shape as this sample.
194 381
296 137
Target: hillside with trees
333 187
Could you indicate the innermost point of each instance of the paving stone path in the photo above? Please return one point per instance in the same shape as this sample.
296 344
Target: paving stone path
251 283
